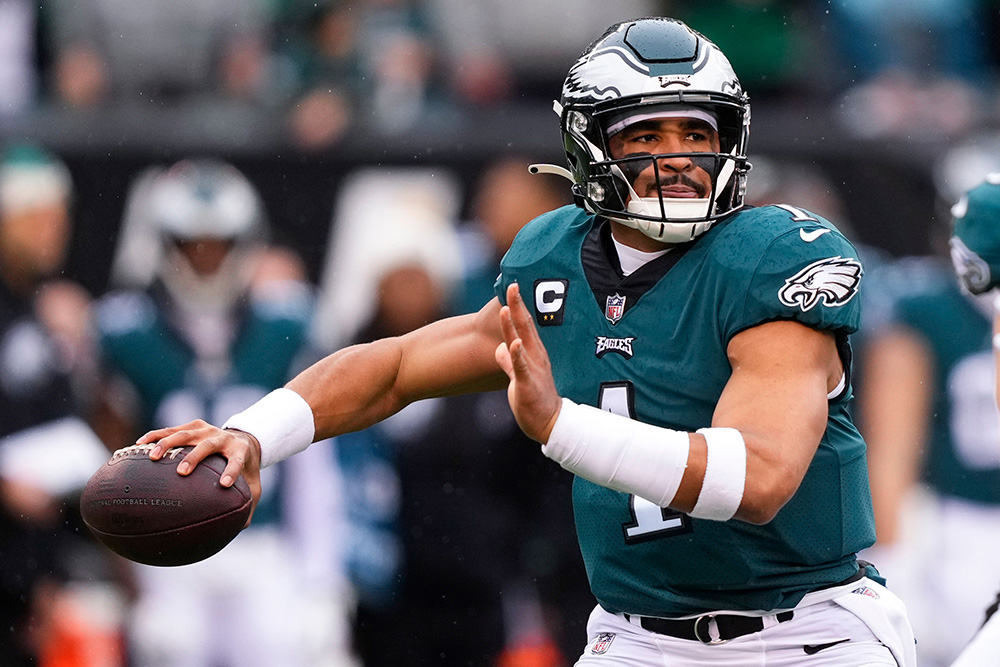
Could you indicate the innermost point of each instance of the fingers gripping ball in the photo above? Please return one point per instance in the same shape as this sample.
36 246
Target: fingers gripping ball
143 510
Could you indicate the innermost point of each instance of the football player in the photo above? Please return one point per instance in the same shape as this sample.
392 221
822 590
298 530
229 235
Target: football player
46 447
686 357
975 252
217 328
929 414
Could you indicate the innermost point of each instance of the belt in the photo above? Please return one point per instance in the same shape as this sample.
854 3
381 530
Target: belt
720 628
710 628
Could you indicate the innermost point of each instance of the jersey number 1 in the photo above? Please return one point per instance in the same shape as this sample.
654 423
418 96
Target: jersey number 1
649 522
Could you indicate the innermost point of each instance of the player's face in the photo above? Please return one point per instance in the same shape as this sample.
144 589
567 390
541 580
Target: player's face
205 255
680 177
34 240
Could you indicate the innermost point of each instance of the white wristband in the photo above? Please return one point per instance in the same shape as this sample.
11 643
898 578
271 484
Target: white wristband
282 422
619 453
725 475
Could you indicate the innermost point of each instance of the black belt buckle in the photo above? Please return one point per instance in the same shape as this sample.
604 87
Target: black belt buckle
702 632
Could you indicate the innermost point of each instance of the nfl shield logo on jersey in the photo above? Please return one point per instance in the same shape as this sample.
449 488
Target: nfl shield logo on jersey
615 308
602 643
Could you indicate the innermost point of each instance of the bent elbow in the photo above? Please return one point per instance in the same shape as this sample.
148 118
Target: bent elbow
757 515
762 501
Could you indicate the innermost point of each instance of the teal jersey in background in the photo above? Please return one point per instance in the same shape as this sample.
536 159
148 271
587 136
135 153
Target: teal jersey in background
139 342
653 346
923 295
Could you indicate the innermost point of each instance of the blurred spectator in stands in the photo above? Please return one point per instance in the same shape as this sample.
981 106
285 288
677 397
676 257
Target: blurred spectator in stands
502 50
366 62
449 501
929 415
221 323
140 52
57 599
915 66
506 197
383 217
18 77
418 486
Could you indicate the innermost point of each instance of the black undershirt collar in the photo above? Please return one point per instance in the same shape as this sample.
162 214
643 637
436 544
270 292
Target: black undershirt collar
604 271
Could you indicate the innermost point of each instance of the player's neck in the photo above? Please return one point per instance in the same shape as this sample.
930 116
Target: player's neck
632 259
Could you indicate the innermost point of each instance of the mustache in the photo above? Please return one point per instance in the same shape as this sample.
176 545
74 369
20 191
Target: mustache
679 179
640 162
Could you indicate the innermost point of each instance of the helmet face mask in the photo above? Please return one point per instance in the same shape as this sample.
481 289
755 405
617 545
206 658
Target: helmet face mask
645 69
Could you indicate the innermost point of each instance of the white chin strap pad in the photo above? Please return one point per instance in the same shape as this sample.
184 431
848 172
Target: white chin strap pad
671 232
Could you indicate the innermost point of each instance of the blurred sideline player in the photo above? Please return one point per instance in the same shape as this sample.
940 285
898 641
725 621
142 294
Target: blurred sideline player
552 607
686 358
222 322
975 251
434 585
930 418
505 198
57 600
420 484
928 410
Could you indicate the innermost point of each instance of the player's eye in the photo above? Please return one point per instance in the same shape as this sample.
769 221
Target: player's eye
648 137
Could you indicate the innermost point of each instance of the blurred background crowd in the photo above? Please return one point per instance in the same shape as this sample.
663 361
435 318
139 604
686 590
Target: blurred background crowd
199 198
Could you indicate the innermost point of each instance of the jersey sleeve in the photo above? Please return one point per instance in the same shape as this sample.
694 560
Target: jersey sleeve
808 275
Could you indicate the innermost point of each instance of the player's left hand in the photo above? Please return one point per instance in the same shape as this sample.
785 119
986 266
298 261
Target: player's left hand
241 451
522 356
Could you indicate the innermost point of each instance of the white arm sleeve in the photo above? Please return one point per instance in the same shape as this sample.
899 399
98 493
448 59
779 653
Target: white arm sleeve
618 452
648 461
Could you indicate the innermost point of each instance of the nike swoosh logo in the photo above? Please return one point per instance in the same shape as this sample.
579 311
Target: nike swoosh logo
813 649
809 237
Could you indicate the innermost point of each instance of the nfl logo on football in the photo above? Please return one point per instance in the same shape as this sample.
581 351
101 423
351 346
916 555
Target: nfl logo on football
602 643
615 308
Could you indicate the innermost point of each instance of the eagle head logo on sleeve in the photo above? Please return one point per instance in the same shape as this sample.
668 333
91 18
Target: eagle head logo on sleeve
834 281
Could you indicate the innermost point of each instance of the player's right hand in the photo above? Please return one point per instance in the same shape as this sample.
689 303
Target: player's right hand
532 392
240 449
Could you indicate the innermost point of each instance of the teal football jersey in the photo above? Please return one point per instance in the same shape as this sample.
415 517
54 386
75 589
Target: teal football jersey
962 458
652 346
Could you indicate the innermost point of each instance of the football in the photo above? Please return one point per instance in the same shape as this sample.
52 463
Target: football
143 510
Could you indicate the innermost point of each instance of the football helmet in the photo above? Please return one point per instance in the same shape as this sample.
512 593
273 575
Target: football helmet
201 200
650 68
975 241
